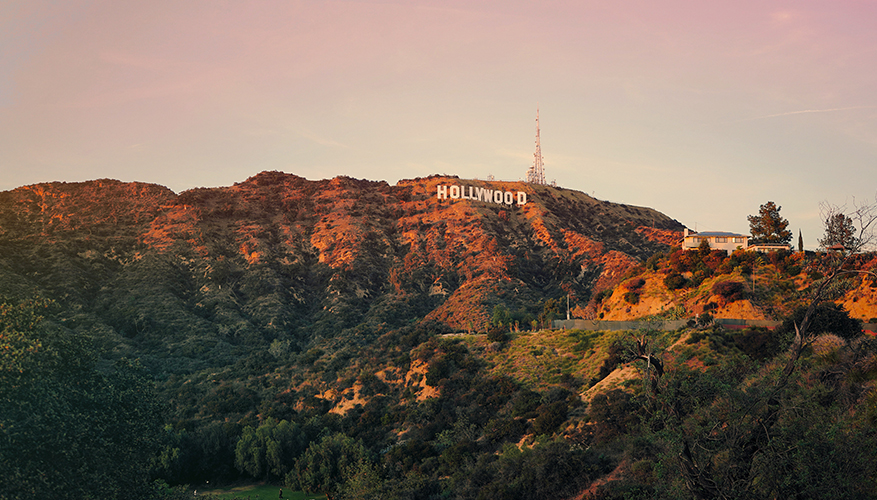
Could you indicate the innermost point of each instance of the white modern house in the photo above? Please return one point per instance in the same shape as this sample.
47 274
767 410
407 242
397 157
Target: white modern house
717 240
768 247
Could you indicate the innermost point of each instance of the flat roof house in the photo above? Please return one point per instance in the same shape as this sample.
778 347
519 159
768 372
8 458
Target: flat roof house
717 240
768 247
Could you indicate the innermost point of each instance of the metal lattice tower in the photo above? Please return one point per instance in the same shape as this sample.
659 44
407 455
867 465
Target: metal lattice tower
536 174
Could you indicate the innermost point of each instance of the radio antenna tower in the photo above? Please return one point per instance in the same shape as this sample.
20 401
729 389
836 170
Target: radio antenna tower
536 174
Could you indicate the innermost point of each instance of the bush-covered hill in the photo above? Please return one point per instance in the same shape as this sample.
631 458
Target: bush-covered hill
415 414
681 284
317 335
184 280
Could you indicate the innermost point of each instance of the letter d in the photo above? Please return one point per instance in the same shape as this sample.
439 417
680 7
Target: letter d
522 198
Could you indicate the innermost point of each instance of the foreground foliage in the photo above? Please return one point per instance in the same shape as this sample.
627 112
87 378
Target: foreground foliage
69 427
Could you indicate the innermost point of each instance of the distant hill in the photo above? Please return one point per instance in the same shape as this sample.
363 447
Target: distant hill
281 257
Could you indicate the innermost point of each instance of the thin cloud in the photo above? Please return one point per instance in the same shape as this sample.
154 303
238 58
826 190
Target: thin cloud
322 140
805 111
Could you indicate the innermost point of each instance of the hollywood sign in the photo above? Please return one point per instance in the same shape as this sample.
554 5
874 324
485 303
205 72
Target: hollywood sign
481 194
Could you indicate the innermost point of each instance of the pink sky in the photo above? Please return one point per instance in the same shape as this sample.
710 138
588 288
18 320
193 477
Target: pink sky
702 110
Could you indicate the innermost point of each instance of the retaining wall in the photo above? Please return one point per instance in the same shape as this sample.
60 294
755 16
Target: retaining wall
670 325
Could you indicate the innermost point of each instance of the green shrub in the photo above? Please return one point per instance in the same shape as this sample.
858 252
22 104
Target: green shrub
612 412
635 284
631 297
503 429
674 281
525 403
757 342
828 317
602 295
704 320
731 291
653 261
496 334
549 417
695 337
584 340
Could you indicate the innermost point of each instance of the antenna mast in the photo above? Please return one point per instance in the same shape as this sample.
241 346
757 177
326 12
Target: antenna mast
536 174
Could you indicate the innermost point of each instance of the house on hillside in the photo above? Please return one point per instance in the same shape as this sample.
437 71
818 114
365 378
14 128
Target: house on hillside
768 247
717 240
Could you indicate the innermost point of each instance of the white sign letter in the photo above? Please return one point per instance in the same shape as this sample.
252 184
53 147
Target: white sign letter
442 193
455 192
522 198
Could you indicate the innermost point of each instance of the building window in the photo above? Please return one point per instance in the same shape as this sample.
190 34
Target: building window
721 240
738 240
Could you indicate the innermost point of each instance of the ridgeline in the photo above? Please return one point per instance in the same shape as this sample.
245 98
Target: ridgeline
281 257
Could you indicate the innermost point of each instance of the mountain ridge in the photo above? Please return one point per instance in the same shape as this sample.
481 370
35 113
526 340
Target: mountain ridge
280 256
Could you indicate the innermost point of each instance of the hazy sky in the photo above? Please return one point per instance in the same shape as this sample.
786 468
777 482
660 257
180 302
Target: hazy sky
700 109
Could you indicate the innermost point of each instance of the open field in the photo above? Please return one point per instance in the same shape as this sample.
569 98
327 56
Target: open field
258 492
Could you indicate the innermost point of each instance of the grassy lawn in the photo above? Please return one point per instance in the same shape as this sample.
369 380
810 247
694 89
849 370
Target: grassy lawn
259 491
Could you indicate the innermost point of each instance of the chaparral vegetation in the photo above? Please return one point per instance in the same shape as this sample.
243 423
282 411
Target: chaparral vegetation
358 340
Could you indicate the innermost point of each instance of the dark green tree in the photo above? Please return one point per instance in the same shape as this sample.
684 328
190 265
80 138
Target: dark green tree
269 449
839 231
704 248
501 315
363 482
553 469
324 467
769 226
827 317
69 429
550 311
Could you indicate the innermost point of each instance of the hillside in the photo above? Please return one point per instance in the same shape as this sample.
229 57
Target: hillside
363 340
280 257
745 285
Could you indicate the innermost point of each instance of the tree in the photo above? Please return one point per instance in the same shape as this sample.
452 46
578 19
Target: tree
863 219
363 482
827 317
555 469
800 241
68 427
500 315
839 232
270 448
327 465
769 226
550 310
